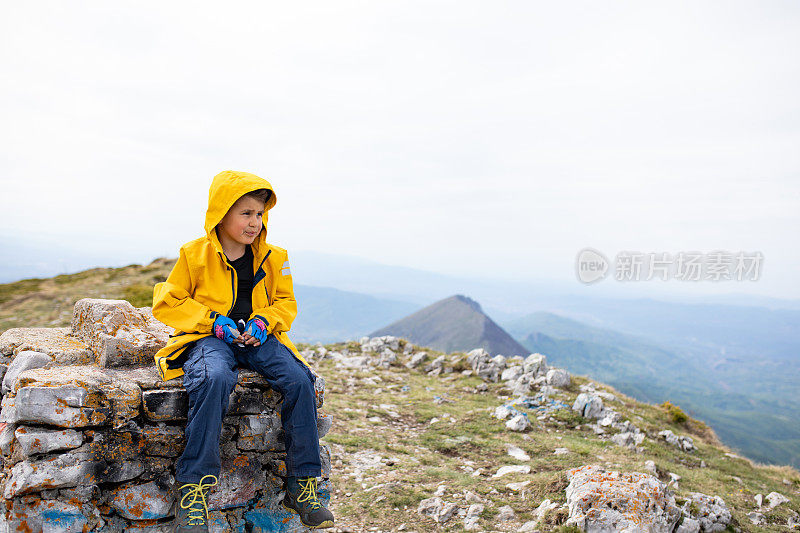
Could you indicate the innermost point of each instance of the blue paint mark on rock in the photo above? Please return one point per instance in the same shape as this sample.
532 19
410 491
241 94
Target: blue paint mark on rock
63 521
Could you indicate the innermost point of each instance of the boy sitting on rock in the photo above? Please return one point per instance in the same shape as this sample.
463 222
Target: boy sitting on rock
232 275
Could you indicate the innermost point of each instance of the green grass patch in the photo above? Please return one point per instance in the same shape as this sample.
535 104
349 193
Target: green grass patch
18 288
352 442
138 295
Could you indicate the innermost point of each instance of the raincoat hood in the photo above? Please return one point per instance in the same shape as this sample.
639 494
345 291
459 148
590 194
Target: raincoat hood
227 187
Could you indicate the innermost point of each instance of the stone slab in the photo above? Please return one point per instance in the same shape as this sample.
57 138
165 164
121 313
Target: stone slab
58 343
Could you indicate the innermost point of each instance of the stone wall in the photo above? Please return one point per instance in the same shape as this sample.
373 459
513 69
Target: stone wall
89 433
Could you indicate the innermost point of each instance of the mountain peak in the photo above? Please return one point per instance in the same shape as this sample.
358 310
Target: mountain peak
456 323
467 300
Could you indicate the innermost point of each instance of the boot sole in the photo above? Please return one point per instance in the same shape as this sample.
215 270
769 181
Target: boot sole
321 525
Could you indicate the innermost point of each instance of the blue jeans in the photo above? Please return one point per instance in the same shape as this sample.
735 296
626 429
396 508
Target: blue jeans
211 372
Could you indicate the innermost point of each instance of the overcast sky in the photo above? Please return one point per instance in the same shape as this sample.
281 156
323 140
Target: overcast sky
480 138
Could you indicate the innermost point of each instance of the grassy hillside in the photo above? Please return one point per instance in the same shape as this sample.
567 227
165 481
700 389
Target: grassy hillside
424 444
48 302
761 424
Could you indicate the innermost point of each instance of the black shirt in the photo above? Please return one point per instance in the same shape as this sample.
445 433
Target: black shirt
244 291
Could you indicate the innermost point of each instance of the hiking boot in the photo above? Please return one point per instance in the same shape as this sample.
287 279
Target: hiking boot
301 497
191 511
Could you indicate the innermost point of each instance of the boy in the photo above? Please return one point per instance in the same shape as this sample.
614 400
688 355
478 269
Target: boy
229 275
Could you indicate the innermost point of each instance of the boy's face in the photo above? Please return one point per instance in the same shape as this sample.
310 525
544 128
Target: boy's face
242 222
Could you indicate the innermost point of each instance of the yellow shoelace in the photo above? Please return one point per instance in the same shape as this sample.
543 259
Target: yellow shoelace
197 515
309 492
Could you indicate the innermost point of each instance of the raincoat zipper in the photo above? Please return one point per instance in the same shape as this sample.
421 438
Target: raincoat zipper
269 300
234 281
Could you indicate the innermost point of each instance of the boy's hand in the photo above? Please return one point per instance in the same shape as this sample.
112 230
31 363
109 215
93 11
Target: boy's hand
225 329
255 331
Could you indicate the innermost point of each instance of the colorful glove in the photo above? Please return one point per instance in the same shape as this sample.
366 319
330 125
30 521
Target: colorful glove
257 328
225 329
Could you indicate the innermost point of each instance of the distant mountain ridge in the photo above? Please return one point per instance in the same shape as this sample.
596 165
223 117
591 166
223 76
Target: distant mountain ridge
454 324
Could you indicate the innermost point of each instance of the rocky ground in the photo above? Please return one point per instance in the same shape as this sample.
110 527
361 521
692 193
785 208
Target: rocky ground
463 442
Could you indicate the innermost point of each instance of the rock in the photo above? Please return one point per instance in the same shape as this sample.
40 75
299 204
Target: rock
519 422
516 487
688 525
473 515
324 425
713 514
6 438
376 344
417 359
262 432
51 516
24 360
684 443
118 333
387 359
436 364
505 513
500 362
512 372
66 406
163 440
504 411
512 469
617 501
609 418
793 522
434 507
545 506
528 527
477 356
247 401
58 343
588 405
486 368
518 453
774 499
240 477
359 361
165 405
558 377
8 413
67 470
756 518
104 394
522 387
148 501
36 440
116 446
535 364
624 438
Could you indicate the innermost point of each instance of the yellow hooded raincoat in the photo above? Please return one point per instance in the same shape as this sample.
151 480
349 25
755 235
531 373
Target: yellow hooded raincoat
203 283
